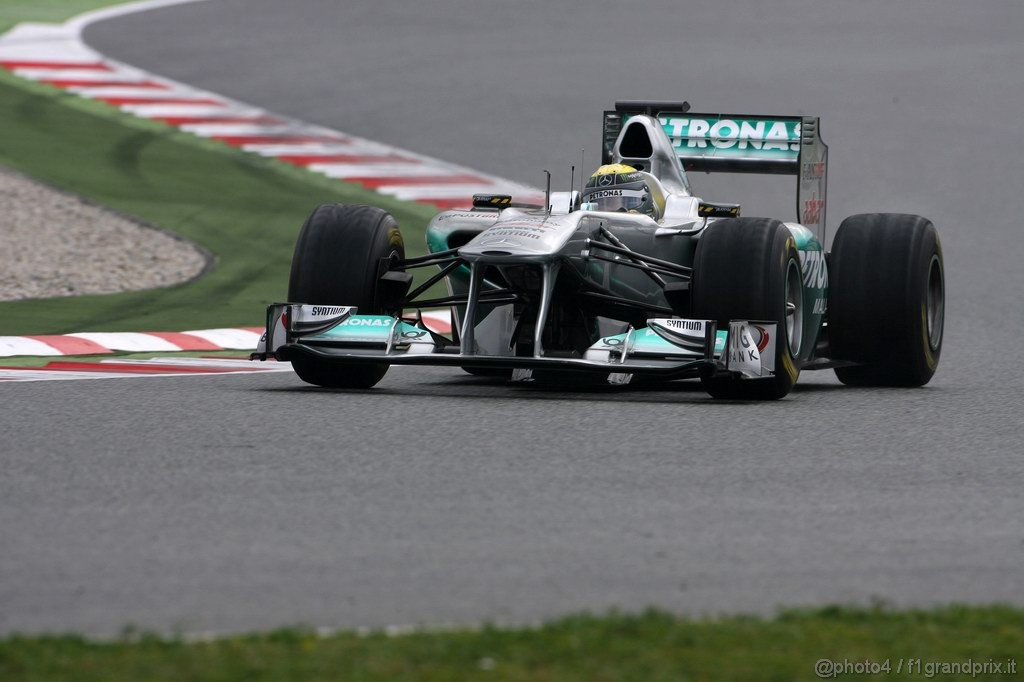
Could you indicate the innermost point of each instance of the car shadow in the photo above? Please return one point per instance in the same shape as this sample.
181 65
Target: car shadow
484 388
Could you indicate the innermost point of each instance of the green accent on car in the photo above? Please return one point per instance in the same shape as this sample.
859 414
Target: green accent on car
648 341
721 336
360 329
437 239
805 239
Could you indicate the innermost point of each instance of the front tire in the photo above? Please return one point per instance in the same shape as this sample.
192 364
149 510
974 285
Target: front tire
336 262
886 299
749 269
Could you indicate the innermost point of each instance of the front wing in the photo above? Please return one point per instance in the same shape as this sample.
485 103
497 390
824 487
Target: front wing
667 348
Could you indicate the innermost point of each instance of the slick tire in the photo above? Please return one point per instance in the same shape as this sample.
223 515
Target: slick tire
886 300
748 269
336 261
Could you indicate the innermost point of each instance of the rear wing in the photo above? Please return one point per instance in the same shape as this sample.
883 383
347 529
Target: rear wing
724 143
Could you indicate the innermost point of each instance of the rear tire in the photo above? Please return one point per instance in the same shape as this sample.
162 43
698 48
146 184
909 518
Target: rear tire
740 272
335 262
886 299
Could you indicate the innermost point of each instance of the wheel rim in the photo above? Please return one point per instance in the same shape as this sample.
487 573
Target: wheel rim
935 303
794 308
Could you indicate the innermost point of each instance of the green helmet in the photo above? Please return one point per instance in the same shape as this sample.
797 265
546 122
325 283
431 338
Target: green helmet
618 187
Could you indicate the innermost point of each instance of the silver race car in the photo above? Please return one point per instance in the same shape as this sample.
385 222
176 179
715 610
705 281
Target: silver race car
631 278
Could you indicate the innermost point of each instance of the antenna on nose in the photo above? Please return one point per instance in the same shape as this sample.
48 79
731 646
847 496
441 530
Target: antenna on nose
572 181
583 165
547 193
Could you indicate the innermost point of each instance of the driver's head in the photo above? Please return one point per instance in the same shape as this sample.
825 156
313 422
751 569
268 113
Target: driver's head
618 187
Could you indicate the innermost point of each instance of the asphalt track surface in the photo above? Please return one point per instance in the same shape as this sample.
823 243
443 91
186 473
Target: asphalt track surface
241 502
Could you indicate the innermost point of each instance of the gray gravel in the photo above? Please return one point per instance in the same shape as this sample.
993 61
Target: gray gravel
53 243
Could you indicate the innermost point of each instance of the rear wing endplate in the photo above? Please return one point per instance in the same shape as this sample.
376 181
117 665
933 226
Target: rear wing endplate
725 143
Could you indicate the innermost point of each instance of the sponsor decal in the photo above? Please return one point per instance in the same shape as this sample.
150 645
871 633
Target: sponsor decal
480 215
368 322
820 306
309 318
763 337
812 210
606 180
743 349
815 271
601 194
811 170
327 311
688 325
760 135
501 232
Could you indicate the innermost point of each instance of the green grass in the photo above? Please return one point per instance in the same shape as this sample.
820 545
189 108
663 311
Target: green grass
648 647
16 11
244 209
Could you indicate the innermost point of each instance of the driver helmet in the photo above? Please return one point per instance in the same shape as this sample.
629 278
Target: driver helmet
618 187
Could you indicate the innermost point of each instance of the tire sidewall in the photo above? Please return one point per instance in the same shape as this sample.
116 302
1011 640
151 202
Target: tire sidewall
740 271
337 262
878 299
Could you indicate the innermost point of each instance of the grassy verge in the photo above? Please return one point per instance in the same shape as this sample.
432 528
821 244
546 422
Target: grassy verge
244 209
14 11
648 647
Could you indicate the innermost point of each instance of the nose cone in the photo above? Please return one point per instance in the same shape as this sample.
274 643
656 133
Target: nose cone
533 237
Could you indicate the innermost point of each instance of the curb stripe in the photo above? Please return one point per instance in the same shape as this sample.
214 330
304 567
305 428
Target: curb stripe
71 345
78 83
23 345
99 343
185 122
123 100
186 341
93 66
398 181
230 338
122 90
382 170
127 341
242 140
340 146
63 366
310 159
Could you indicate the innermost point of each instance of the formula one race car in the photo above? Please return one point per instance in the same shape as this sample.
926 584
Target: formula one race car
632 278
